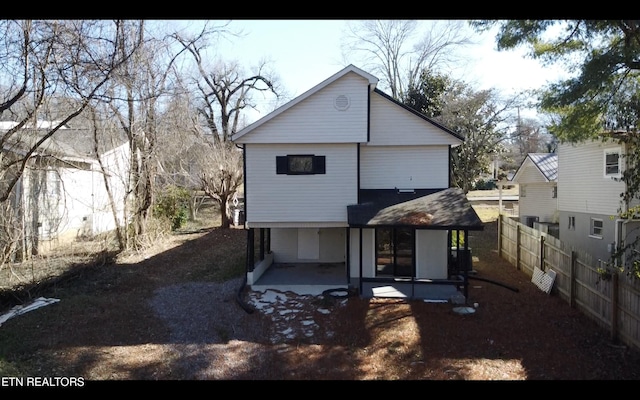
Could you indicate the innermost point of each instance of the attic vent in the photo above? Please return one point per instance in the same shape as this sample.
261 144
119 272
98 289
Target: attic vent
341 103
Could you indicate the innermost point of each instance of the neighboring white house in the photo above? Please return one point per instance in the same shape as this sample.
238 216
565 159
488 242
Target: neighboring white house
61 195
589 197
537 179
344 174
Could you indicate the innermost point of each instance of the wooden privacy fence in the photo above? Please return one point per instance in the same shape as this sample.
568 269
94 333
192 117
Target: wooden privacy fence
612 303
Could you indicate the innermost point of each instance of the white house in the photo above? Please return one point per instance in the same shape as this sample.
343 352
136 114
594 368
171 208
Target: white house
589 199
61 195
345 176
537 179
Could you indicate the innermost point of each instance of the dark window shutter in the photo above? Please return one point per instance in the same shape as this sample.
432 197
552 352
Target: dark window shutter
319 165
281 165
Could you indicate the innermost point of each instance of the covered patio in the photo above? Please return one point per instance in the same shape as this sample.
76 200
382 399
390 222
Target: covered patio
447 211
444 210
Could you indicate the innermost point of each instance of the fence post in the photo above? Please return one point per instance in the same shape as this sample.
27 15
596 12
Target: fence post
499 234
572 286
614 308
542 252
518 247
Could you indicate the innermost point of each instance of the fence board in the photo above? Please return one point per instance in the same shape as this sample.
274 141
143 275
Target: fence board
577 281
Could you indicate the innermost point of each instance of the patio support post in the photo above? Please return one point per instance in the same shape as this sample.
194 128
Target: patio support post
360 259
470 261
347 259
268 249
261 244
250 249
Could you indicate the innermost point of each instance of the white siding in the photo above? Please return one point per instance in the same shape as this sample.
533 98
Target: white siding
404 167
316 119
391 124
368 253
79 188
270 197
582 186
431 254
529 173
284 245
539 202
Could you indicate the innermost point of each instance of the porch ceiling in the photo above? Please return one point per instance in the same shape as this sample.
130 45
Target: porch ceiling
446 209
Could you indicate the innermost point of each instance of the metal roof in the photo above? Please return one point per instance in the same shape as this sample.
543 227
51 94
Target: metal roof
546 163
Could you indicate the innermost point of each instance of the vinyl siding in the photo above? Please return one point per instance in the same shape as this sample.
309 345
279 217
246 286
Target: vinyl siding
529 173
391 124
316 119
580 238
300 198
431 259
284 245
404 167
582 186
539 202
74 201
368 253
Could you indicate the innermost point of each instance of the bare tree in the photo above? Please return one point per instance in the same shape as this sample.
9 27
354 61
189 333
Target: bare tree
135 98
51 70
224 92
398 52
73 59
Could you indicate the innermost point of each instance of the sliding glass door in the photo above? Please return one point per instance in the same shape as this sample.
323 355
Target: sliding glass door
395 252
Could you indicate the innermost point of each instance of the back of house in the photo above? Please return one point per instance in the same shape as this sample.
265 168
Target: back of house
322 171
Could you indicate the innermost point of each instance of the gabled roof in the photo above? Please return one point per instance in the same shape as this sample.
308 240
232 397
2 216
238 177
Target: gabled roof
68 143
545 163
373 81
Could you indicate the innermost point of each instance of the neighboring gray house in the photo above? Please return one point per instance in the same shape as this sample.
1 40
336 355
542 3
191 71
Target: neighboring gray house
589 196
345 176
61 195
537 179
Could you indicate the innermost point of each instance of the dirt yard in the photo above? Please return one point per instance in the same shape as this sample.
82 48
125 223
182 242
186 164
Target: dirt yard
173 314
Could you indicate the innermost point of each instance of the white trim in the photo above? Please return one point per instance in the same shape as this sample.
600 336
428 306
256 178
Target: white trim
299 224
612 150
591 228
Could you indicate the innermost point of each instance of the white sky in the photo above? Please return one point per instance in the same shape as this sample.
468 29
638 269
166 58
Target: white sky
306 52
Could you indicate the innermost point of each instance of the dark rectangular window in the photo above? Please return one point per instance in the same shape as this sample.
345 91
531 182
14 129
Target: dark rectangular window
300 164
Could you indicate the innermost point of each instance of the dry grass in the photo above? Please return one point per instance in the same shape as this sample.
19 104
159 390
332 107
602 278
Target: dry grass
104 329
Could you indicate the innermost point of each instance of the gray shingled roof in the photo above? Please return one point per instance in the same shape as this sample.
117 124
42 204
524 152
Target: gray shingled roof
445 209
547 163
75 143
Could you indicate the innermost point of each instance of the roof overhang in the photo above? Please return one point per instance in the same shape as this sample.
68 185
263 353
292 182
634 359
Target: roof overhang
447 209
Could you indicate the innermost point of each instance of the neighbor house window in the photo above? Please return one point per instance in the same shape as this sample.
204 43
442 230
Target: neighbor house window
596 227
572 223
612 163
554 192
300 164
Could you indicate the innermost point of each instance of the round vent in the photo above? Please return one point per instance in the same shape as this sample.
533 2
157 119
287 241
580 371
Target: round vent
341 102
